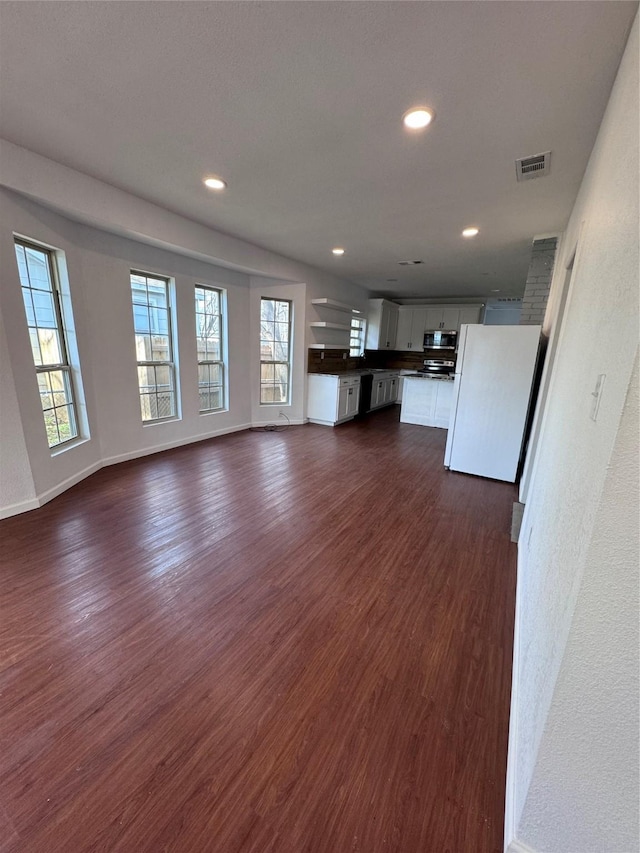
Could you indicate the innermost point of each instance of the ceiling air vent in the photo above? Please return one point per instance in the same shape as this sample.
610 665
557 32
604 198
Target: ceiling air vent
409 263
533 167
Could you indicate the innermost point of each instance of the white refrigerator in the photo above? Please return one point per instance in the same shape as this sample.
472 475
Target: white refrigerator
491 394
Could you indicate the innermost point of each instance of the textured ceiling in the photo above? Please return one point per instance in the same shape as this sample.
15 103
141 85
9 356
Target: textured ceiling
298 106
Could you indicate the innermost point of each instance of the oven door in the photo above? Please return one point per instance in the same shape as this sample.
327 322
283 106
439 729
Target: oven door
438 366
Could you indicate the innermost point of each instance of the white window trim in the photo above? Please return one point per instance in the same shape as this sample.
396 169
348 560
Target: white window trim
222 296
361 330
64 323
288 363
171 364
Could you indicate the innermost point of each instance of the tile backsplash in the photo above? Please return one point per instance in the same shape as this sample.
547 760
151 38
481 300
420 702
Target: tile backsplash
334 361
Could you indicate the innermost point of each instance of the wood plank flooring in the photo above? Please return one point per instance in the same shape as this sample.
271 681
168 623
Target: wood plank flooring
293 641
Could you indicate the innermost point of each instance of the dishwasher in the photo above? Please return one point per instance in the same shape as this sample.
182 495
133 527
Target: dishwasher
366 386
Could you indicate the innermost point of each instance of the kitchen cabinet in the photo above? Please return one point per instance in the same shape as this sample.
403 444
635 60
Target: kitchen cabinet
450 317
385 390
411 328
403 373
426 401
382 324
433 318
469 314
402 327
332 399
445 317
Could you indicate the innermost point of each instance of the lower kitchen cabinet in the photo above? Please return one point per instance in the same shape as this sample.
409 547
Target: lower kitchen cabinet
331 399
384 390
426 401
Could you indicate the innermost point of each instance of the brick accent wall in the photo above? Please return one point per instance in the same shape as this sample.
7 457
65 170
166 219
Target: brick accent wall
536 291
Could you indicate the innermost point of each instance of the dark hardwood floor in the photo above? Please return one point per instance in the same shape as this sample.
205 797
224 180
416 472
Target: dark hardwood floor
273 642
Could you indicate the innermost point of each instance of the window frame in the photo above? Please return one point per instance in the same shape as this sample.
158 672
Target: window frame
222 361
360 336
65 366
171 363
288 363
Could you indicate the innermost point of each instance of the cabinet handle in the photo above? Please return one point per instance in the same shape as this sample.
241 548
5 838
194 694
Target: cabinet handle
351 390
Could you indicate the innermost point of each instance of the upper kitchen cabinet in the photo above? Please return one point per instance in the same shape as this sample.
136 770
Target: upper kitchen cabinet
411 327
451 317
382 324
442 317
469 314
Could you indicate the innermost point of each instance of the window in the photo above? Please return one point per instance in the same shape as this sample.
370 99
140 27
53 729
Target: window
275 350
41 295
154 350
209 342
356 341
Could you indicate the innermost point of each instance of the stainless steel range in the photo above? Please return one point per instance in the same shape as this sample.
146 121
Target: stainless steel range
438 366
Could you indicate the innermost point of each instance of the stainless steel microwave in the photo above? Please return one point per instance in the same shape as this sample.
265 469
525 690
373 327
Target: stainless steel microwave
440 339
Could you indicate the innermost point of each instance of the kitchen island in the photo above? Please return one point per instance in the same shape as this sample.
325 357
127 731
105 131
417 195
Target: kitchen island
426 400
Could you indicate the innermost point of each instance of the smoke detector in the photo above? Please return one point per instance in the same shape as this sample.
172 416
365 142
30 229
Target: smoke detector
533 167
409 263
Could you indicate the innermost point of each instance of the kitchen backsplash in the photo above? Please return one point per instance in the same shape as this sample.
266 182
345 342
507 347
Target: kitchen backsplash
332 361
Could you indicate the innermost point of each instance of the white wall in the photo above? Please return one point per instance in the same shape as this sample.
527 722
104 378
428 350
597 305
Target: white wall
132 234
17 489
584 791
566 588
47 470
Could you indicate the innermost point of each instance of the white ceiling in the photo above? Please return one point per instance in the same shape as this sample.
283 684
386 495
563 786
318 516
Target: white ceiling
298 106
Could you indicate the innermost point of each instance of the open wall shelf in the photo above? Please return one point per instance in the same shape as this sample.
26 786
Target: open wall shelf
320 324
337 306
330 346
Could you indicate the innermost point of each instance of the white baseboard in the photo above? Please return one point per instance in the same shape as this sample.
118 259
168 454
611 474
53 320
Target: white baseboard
320 423
170 445
21 506
50 494
519 847
510 817
59 488
280 423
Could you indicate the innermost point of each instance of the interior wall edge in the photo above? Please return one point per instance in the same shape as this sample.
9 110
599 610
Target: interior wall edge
517 846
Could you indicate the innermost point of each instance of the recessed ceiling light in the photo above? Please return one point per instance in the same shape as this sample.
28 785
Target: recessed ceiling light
418 117
215 183
338 251
392 279
496 290
470 232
